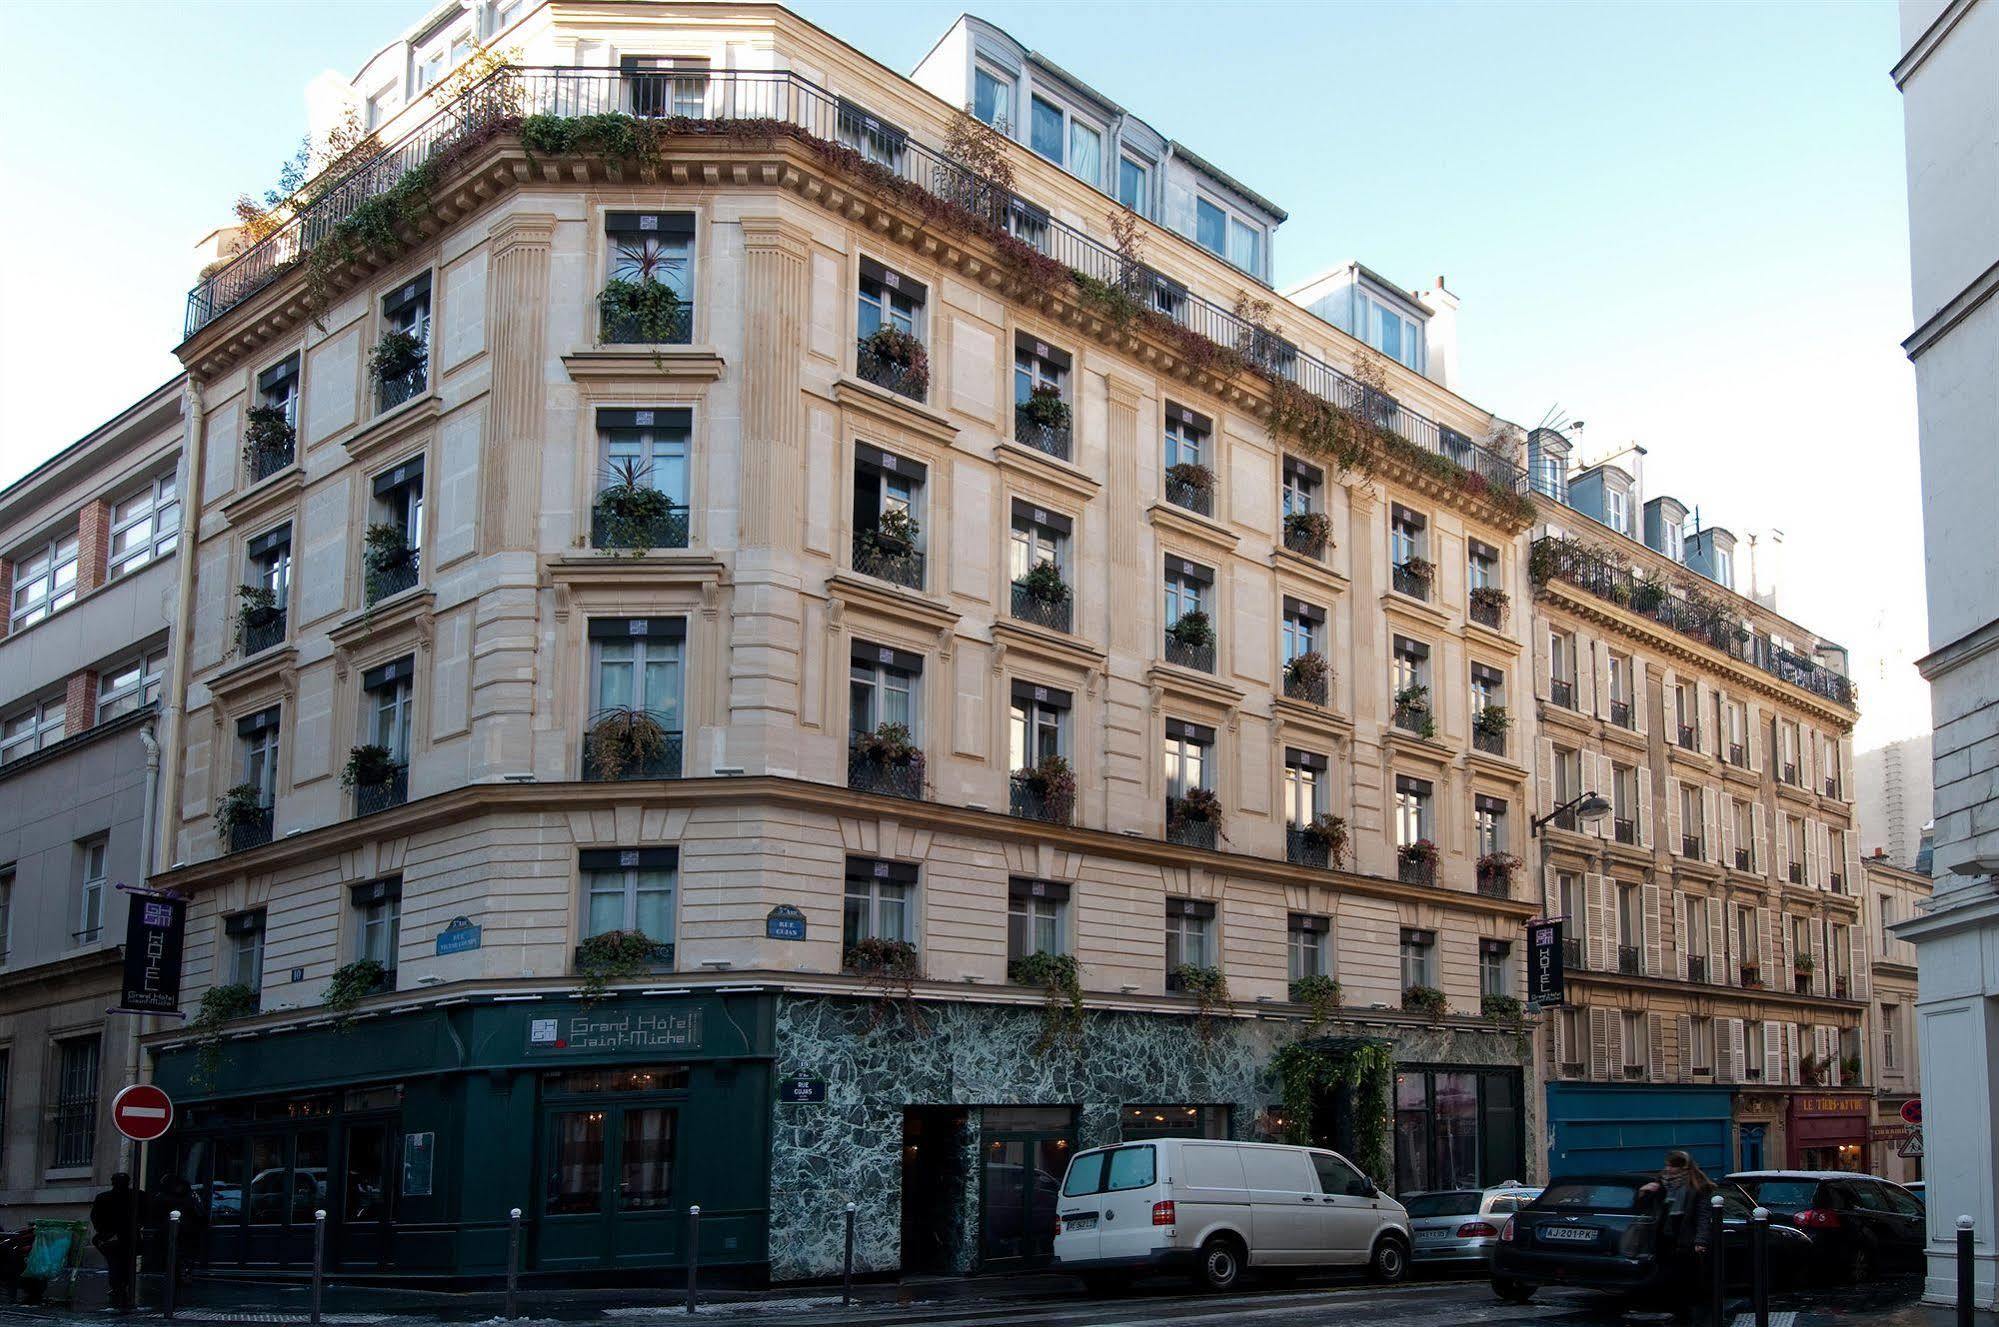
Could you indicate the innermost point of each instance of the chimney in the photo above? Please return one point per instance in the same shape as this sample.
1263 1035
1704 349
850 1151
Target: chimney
1440 335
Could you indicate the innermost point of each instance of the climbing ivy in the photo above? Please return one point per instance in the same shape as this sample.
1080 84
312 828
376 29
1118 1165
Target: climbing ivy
1365 1067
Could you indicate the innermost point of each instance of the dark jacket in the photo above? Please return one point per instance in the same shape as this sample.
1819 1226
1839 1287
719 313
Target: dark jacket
111 1213
1694 1225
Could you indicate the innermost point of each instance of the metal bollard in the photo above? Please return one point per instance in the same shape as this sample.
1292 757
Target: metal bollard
172 1270
693 1251
847 1271
1759 1264
1718 1267
1967 1272
513 1263
318 1262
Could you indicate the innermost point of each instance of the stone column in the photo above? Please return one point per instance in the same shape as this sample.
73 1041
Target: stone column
1131 584
1367 673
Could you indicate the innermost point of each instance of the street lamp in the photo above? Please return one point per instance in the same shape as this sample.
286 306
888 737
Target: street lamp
1588 807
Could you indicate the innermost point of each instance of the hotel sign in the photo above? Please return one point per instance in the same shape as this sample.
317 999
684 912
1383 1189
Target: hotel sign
614 1031
1544 963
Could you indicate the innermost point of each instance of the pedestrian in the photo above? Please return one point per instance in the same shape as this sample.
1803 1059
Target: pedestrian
177 1195
111 1222
1687 1233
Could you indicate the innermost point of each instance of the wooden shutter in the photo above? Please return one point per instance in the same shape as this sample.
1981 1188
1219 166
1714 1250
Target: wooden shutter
1606 779
1543 665
1760 860
1675 831
1728 844
1766 947
1644 777
1856 940
1773 1053
1669 713
1710 823
1596 890
1779 975
1821 967
1808 747
1649 924
1704 737
1655 1048
1717 941
1619 1054
1602 679
1680 935
1686 1063
1736 1050
1754 741
1544 773
1641 701
1599 1044
1812 831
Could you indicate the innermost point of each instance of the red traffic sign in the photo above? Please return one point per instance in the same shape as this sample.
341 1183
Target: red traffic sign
142 1112
1912 1111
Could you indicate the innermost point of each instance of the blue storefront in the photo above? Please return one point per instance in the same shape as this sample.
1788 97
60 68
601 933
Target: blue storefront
1595 1127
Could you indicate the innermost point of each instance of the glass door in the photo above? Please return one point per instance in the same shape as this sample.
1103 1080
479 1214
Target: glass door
608 1190
1025 1159
365 1212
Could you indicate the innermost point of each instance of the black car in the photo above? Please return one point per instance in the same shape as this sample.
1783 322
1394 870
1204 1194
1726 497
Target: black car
1859 1226
1599 1232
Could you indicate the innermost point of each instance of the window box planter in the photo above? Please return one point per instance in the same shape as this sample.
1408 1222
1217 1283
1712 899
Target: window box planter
1195 819
269 442
1043 597
1412 711
619 956
633 517
1308 533
260 622
1495 874
1416 863
1413 577
1190 642
886 761
887 550
1488 605
242 819
388 563
1042 422
1321 843
643 312
1308 678
398 364
1425 1000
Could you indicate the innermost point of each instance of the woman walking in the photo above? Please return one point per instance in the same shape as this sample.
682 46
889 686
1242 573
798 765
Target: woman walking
1688 1234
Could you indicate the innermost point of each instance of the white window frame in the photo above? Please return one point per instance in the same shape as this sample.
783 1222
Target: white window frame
630 884
390 709
378 930
1029 542
639 255
38 593
1033 913
660 454
1190 940
641 654
1414 814
879 681
1236 228
273 571
882 900
1375 314
1419 962
1027 722
1308 953
118 693
1182 756
260 764
1184 594
154 527
1142 203
96 883
1186 443
1304 795
1495 972
1003 106
891 307
246 954
1301 636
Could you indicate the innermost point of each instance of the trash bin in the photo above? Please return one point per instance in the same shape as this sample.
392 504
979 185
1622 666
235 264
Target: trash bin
53 1261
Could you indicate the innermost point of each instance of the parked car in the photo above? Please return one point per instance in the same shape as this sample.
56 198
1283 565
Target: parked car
1213 1209
1859 1225
1461 1225
1600 1232
1917 1189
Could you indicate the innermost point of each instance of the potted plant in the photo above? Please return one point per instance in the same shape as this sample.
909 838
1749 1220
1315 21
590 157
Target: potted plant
396 356
1210 989
1492 721
1191 474
1043 583
894 533
1192 629
1421 854
1308 527
642 312
1490 596
1045 407
621 742
889 744
352 983
1053 782
238 806
385 553
1752 976
1329 832
368 766
1849 1069
256 605
1419 567
876 957
268 437
630 513
613 956
1198 806
893 346
1061 982
1498 867
1426 1000
1648 593
1804 965
1500 1008
1306 672
1412 710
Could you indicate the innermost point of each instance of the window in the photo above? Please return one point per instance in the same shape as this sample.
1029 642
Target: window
29 730
657 249
1302 625
1695 936
631 890
75 1132
1637 1042
1419 958
1489 824
1086 153
259 735
378 916
399 499
888 516
243 936
1304 787
1885 910
1620 689
394 539
1035 365
1627 916
1187 587
44 581
126 687
1045 129
667 85
1494 967
408 311
1686 712
269 566
1794 845
1038 536
646 449
1411 672
1674 539
1562 668
1190 925
1624 803
1037 725
145 526
386 694
882 689
1617 509
1700 1055
1302 485
1186 437
868 134
1391 332
992 98
1735 731
1134 186
90 895
880 901
1412 810
1310 952
1186 757
1724 568
1748 945
1227 235
1405 535
1481 566
1568 782
1692 820
637 666
1568 900
1036 918
1801 936
1891 1022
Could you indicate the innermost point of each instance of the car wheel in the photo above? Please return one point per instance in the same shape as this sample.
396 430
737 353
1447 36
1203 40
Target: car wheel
1221 1264
1389 1262
1513 1292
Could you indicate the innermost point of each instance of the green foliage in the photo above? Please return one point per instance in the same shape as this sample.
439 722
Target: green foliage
1193 629
1422 850
895 533
1044 584
1492 721
1307 670
892 345
1412 710
236 806
1191 474
256 606
1365 1068
220 1005
612 956
1490 596
649 310
266 432
353 983
1200 805
1419 567
1426 1000
1054 782
1502 1009
367 765
1328 831
1320 995
397 355
890 970
1115 304
629 511
1062 1007
379 227
1313 527
1045 406
889 743
1210 989
385 551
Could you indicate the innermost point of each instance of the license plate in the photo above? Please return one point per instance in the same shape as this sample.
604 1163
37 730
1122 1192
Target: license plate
1568 1234
1079 1222
1432 1234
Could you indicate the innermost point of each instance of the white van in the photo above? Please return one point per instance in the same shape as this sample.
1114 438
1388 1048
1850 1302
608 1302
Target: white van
1212 1208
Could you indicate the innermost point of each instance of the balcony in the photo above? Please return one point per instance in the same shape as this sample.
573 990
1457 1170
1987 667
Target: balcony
263 461
252 829
1836 881
1690 846
1198 498
1493 744
257 632
1306 542
888 778
1715 620
1024 801
1494 881
1305 849
1795 872
627 751
389 577
1562 692
875 557
1842 988
1630 962
1832 788
1413 583
912 381
1048 439
1697 968
392 791
1187 830
1486 612
1188 654
669 529
1041 612
1752 976
625 327
392 391
1737 756
1620 713
1623 830
1311 687
1742 860
1415 871
1689 738
1788 774
1572 952
1566 819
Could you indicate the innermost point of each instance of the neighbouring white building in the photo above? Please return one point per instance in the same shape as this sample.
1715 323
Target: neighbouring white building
1949 78
1893 798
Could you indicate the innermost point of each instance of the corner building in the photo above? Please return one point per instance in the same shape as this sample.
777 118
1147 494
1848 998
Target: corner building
1718 951
824 1007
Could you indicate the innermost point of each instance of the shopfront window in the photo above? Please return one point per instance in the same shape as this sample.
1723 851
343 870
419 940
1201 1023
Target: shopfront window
1183 1121
1457 1128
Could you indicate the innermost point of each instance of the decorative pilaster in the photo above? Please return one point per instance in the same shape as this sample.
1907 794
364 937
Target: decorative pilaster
517 314
775 289
1130 550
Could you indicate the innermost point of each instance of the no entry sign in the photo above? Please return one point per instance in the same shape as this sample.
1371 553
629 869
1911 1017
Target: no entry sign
142 1112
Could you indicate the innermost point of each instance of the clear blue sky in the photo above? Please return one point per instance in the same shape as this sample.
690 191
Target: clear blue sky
1684 224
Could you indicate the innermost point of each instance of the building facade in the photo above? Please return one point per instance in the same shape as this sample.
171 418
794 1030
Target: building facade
1717 944
1893 894
712 739
88 544
1948 74
1892 798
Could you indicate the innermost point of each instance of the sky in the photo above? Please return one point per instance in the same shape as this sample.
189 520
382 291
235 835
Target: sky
1684 225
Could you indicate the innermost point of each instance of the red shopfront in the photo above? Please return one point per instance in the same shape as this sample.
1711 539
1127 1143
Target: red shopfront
1828 1131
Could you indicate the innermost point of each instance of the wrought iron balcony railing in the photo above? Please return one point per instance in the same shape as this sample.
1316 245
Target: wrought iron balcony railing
1201 658
1697 968
1312 690
662 764
1303 849
1028 803
261 632
1623 829
626 329
890 778
392 392
1411 583
1493 744
392 791
901 379
872 559
795 106
1415 871
1737 756
252 830
1690 738
670 530
1629 961
1562 692
1710 620
1690 846
1495 882
1188 831
1305 543
1050 439
392 578
1742 860
1199 498
1056 616
1620 713
263 462
1486 613
1572 951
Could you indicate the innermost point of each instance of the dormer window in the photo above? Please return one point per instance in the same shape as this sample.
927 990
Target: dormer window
1392 332
1134 185
1219 230
992 98
1066 140
1617 509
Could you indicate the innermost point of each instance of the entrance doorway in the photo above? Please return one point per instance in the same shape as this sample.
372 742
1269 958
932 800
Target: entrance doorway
610 1156
1024 1152
934 1141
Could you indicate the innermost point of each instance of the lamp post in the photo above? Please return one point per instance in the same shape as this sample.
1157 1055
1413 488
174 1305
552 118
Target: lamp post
1589 809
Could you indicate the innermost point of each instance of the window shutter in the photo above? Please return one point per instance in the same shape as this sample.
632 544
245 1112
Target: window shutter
1644 777
1686 1048
1754 742
1760 853
1649 897
1599 1043
1655 1045
1669 711
1766 957
1619 1053
1602 677
1773 1060
1710 823
1735 1050
1703 717
1821 967
1640 702
1598 891
1728 844
1791 1074
1780 944
1857 942
1717 940
1544 773
1808 750
1680 933
1675 832
1606 781
1812 831
1542 665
